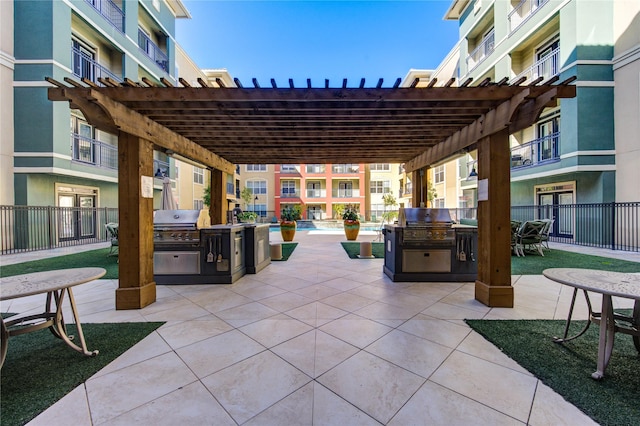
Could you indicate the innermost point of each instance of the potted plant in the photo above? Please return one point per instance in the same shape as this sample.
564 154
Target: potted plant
351 223
288 221
247 217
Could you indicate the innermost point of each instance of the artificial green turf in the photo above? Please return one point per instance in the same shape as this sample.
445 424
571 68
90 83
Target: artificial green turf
40 369
533 264
98 258
567 367
353 249
287 250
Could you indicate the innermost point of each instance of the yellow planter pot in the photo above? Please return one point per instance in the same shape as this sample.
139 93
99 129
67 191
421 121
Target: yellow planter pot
351 229
288 230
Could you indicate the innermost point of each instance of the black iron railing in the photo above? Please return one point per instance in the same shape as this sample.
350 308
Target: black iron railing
110 11
614 226
31 228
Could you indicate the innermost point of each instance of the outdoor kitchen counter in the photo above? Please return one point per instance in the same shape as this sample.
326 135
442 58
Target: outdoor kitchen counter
414 254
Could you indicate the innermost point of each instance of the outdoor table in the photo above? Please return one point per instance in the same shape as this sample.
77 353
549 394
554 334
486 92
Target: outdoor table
55 284
608 284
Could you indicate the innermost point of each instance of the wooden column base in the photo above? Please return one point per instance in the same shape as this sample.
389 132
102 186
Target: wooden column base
496 296
135 297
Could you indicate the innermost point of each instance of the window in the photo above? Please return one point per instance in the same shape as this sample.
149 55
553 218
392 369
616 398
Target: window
380 186
547 58
438 203
83 60
376 211
198 204
260 209
345 189
382 167
257 186
83 142
548 139
288 168
288 188
256 167
198 175
438 174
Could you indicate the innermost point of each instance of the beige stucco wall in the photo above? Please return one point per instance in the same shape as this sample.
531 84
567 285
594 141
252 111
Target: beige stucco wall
626 65
6 103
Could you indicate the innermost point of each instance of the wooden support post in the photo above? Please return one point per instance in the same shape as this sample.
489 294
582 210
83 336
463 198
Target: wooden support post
136 287
493 286
218 208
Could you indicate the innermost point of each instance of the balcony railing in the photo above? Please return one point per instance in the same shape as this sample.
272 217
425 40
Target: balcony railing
316 193
161 168
345 193
110 11
523 11
289 193
345 168
231 189
86 67
94 152
316 168
537 151
151 50
483 50
546 67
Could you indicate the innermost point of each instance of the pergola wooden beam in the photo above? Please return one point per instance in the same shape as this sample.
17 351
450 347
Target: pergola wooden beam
218 127
111 116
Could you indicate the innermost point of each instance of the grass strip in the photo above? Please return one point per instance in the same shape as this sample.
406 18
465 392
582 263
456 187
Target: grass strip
567 367
40 369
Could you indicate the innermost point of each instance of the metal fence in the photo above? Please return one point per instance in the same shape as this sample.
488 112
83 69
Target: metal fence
614 226
31 228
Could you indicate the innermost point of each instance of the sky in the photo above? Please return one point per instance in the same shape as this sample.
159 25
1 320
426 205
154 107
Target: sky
317 39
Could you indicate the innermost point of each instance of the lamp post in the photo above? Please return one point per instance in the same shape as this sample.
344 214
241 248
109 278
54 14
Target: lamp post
254 203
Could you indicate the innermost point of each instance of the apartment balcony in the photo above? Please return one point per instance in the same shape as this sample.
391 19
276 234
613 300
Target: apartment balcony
546 68
86 67
316 193
345 193
523 11
110 11
289 193
345 168
407 191
93 152
161 168
315 168
542 150
152 51
483 50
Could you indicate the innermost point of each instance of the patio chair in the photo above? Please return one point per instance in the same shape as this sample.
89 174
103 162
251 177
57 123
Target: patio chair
528 235
544 234
515 225
112 234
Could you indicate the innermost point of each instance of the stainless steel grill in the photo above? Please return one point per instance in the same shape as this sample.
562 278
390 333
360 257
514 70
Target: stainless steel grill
177 228
427 225
425 246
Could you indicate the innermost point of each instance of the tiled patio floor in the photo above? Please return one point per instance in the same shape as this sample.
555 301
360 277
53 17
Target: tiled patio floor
317 340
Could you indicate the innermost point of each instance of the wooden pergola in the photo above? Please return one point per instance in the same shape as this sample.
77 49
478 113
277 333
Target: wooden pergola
220 127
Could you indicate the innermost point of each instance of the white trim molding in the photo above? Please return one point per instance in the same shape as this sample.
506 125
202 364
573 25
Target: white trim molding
65 172
6 60
582 83
564 170
626 57
589 153
42 155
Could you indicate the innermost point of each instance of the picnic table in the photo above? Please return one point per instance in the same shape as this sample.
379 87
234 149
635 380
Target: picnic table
56 284
608 284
